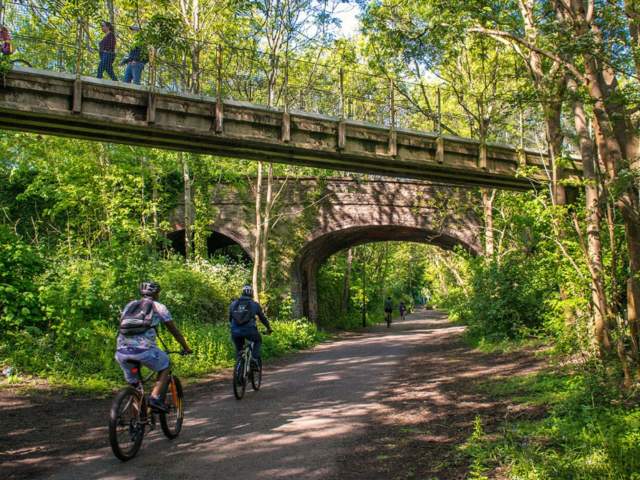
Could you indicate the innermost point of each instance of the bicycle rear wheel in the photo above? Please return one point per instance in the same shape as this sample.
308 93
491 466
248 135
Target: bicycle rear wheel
171 422
256 377
126 426
239 382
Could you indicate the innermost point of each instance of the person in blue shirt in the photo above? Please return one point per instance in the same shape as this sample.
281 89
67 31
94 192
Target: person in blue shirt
136 60
242 318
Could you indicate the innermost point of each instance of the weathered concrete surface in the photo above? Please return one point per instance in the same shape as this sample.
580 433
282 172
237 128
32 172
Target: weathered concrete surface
60 104
317 218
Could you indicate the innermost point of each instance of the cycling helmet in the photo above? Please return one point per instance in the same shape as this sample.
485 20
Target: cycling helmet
149 289
247 291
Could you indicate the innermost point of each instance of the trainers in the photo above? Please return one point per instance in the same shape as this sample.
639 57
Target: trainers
158 405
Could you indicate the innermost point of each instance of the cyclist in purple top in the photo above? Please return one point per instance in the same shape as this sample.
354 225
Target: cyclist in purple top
142 347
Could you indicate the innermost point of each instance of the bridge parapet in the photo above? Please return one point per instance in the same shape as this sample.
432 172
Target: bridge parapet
83 107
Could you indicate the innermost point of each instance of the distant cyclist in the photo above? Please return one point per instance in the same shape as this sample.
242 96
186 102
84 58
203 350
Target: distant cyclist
388 310
242 317
137 340
403 310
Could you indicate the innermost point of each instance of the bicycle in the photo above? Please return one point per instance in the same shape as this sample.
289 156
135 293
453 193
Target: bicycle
245 369
131 414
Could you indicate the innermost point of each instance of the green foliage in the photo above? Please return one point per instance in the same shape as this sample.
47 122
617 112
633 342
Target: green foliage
506 300
19 264
591 430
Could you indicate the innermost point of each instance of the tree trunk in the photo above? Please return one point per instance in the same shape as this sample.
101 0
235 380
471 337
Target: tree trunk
346 286
112 13
266 225
594 217
257 234
188 217
487 203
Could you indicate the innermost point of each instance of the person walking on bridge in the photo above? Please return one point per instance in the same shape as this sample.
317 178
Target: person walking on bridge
136 59
5 41
242 317
107 50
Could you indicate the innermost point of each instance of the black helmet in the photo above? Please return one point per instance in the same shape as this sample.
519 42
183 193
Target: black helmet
149 289
247 291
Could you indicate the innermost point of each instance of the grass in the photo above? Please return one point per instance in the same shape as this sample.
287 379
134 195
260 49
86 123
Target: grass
591 430
89 367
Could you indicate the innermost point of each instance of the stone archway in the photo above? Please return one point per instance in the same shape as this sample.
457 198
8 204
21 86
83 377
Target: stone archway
319 248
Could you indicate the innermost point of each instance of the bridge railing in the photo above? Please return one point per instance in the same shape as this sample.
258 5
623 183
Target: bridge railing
310 81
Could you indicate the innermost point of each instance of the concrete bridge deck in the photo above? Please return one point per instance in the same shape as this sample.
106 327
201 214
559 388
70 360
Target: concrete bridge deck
62 104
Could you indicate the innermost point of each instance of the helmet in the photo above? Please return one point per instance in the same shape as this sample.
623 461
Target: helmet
149 289
247 291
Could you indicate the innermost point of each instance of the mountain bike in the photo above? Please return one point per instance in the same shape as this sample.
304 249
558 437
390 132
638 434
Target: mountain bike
131 414
246 369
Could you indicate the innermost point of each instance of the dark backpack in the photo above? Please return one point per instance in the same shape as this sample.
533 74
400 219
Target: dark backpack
137 318
241 312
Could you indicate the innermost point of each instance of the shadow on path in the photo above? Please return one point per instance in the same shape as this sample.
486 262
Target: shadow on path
336 411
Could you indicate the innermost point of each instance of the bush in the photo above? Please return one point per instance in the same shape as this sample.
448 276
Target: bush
505 300
19 264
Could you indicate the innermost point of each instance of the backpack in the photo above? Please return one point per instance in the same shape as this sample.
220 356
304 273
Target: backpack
137 318
241 312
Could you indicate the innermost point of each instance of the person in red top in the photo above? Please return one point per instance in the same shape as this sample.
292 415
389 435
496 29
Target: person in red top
5 40
107 49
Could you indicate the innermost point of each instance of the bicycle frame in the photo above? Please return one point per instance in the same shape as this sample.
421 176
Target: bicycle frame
247 355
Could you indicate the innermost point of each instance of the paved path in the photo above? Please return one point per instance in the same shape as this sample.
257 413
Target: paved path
311 410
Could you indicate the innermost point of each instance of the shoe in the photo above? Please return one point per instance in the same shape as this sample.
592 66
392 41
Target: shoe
158 405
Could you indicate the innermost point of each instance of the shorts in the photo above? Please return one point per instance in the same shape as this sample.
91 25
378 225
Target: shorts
153 358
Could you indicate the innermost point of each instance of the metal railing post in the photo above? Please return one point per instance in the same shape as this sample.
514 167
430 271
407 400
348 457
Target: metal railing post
522 156
79 35
341 73
219 105
440 139
342 127
286 118
393 135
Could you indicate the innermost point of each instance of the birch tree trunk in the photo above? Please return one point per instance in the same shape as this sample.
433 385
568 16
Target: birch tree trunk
487 204
257 234
266 227
346 286
188 217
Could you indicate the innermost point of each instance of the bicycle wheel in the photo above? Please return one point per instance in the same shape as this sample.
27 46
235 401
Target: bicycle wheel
126 425
256 377
239 382
171 422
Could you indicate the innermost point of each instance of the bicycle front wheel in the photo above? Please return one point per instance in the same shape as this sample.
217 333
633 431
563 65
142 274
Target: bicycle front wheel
239 381
171 422
126 425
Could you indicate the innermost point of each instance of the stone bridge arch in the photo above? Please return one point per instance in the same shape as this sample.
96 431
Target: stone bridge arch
318 217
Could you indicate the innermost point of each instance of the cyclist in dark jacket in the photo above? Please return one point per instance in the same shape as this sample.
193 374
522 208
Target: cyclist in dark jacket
242 317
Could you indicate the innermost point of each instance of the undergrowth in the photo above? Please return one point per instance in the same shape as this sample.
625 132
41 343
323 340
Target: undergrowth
590 431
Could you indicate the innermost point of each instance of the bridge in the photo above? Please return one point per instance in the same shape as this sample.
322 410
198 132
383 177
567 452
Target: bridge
317 218
59 103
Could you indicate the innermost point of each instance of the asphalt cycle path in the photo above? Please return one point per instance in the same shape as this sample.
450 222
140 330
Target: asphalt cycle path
311 410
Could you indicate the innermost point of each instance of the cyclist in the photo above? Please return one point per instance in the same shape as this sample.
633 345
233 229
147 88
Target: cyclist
138 344
242 318
388 309
403 309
